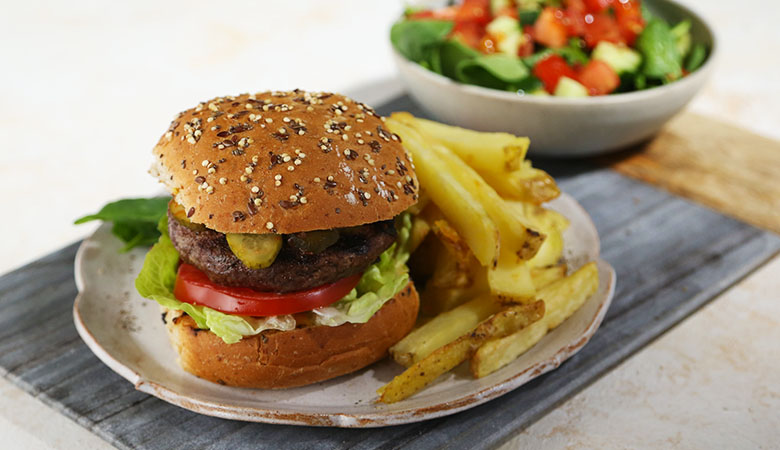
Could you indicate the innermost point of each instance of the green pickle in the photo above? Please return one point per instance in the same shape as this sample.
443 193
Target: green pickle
256 251
314 241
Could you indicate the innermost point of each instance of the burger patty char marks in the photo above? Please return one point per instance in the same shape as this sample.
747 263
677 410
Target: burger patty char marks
293 269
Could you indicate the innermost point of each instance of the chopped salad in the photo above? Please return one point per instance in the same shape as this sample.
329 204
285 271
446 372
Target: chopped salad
568 48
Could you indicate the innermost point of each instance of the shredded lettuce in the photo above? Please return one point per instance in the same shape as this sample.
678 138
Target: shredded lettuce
379 283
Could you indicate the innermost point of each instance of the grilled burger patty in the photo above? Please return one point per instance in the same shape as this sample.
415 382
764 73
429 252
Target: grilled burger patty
293 269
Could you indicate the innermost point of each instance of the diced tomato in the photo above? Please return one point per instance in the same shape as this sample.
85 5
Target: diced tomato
549 29
488 45
508 11
575 17
598 6
629 19
194 287
474 11
551 69
447 13
471 33
598 77
527 47
603 27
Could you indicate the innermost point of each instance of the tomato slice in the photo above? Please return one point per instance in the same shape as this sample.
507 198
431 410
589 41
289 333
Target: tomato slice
447 13
575 17
597 6
194 287
598 77
602 27
551 69
477 11
629 19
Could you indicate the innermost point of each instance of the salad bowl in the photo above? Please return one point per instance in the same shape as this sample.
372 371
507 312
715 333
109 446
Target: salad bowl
565 126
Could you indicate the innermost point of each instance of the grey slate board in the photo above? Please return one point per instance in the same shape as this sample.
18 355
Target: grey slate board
671 257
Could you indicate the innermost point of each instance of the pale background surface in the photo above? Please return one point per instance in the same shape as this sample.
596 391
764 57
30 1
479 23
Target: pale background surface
87 88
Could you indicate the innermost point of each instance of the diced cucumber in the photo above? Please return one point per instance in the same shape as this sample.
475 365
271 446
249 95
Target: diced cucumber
570 88
508 35
622 59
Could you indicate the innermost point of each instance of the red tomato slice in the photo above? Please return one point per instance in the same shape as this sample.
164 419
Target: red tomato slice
471 33
598 77
603 27
629 19
474 11
597 6
549 29
194 287
575 17
551 69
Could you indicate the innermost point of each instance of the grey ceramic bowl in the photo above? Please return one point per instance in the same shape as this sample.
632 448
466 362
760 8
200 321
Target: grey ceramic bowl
565 126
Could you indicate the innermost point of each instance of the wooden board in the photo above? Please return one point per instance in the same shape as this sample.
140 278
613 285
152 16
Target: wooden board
713 163
671 257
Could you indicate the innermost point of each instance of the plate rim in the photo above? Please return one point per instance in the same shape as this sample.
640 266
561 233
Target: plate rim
347 420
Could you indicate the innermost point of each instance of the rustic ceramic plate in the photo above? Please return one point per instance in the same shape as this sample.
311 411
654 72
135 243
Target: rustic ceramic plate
126 332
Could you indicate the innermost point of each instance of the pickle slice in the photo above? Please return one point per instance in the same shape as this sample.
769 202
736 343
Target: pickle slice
180 215
256 251
314 241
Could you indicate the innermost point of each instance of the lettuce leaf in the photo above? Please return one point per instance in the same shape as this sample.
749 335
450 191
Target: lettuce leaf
379 283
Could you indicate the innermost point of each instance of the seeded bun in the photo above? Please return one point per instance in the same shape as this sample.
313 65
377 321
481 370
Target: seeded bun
305 355
284 162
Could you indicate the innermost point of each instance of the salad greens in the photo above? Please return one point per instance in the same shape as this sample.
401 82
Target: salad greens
604 46
135 220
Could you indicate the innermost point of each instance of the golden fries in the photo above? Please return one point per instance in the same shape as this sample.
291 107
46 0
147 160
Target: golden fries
488 152
445 189
442 329
562 298
449 356
490 256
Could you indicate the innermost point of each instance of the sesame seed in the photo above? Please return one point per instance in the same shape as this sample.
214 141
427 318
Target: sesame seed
290 168
255 159
344 137
213 107
221 147
309 108
223 180
297 162
367 195
277 183
277 177
269 225
255 189
248 106
330 177
303 200
212 170
195 172
286 120
191 140
257 201
209 190
293 198
317 179
269 120
361 141
286 158
243 178
399 184
214 128
248 169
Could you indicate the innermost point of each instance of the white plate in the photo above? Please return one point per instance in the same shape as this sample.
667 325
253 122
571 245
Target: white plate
126 332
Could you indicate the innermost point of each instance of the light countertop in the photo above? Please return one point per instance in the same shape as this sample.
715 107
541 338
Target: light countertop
88 87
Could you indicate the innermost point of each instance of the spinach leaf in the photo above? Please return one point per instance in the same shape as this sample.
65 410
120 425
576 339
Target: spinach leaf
415 38
531 61
573 53
497 71
659 50
135 220
696 57
450 54
528 17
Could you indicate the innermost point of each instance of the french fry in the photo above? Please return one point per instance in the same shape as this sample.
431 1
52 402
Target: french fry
543 276
436 300
456 268
485 152
420 230
551 251
445 188
562 298
442 329
451 355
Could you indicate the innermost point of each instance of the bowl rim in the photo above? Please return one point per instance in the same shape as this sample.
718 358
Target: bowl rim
624 97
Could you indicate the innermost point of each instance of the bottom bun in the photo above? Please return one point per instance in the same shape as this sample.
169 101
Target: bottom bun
280 359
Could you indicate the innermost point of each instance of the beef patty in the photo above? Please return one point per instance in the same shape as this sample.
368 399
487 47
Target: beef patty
293 269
